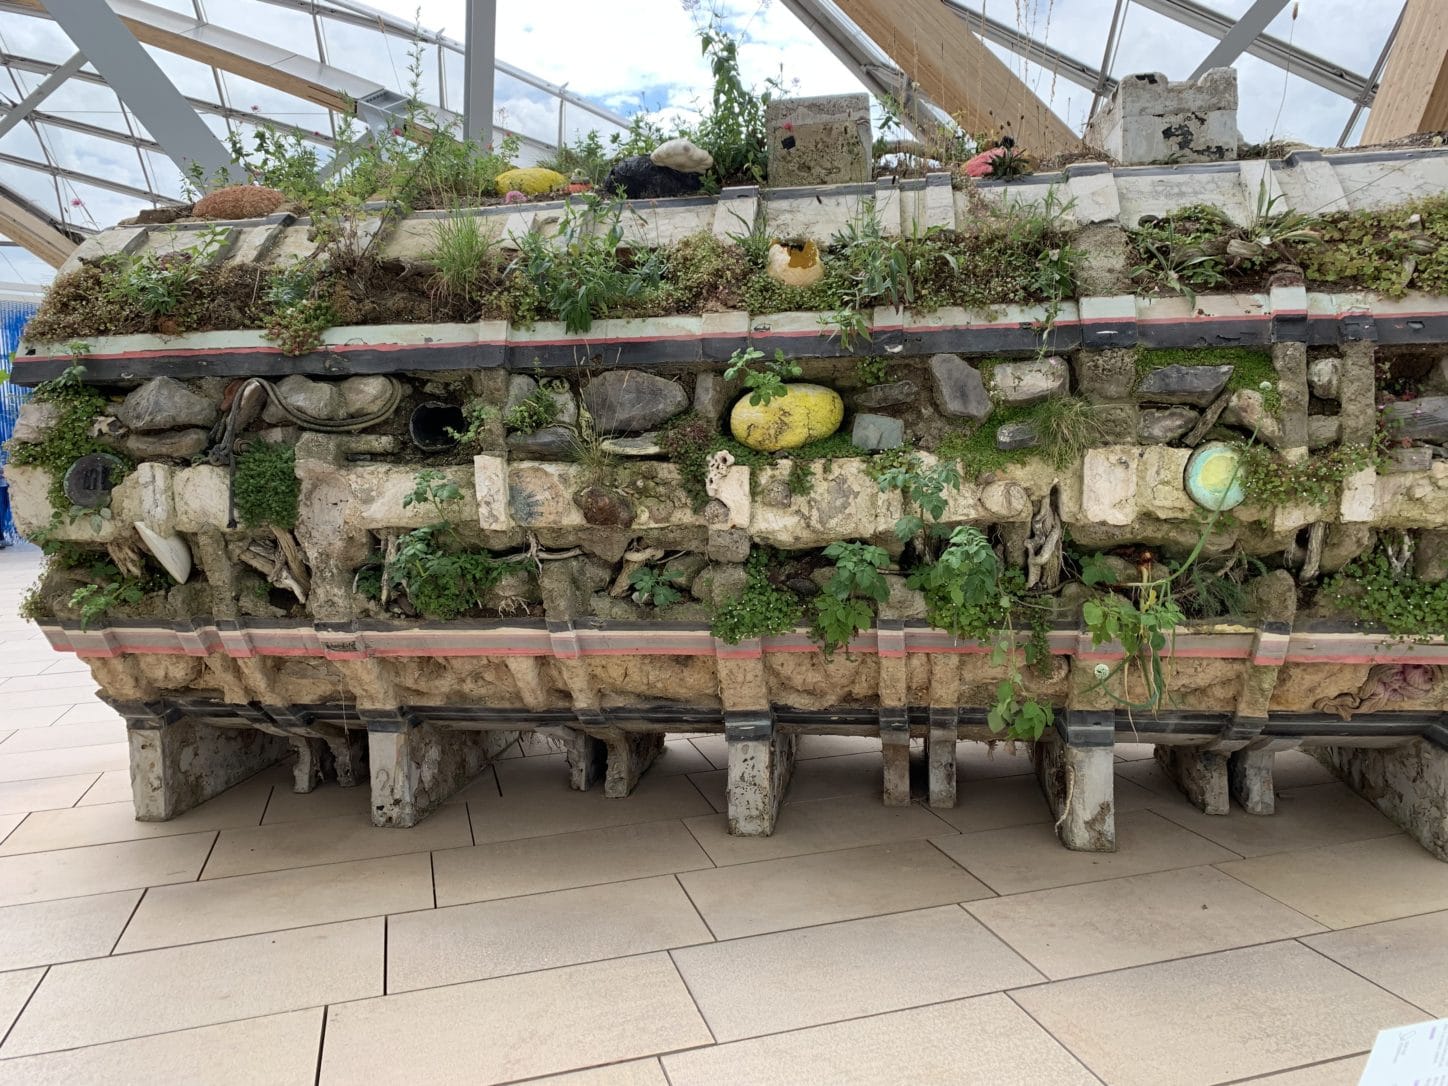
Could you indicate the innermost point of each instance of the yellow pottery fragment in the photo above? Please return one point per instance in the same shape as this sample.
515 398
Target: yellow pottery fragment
531 180
805 413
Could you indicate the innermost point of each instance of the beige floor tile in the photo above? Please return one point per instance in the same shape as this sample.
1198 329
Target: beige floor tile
87 712
49 793
1074 930
975 760
834 746
60 697
30 765
81 681
537 801
542 931
586 858
65 930
279 1050
1217 1018
820 826
1146 773
111 999
633 1073
749 899
103 822
1135 752
1333 1073
514 1027
1409 957
99 869
793 979
996 802
249 904
1325 814
330 841
61 736
715 748
815 778
1023 858
1346 885
327 800
986 1041
15 989
1294 769
113 786
680 756
8 824
19 717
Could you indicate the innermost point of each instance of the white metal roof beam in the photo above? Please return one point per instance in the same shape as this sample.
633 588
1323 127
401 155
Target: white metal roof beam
140 84
1252 23
22 109
89 179
1023 45
1308 66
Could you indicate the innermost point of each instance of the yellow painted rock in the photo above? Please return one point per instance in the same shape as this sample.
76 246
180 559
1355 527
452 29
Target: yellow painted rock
805 413
795 264
530 179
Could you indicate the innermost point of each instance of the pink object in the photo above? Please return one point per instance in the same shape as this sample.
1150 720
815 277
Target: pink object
513 196
982 164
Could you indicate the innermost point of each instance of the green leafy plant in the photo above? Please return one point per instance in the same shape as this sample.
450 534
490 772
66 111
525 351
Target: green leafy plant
765 382
872 370
95 600
536 410
843 609
659 587
1271 480
265 488
761 609
970 594
479 415
583 271
72 436
732 129
690 440
922 487
1373 590
442 579
159 285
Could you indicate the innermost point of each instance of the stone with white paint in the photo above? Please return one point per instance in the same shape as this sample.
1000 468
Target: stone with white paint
1108 484
1016 384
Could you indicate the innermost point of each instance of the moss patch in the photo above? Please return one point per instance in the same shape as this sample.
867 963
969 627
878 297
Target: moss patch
266 488
1251 368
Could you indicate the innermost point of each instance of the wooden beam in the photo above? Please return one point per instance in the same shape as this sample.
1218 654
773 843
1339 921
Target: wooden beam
1413 94
20 224
935 48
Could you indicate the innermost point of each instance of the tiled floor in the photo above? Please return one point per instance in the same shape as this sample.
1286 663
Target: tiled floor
526 932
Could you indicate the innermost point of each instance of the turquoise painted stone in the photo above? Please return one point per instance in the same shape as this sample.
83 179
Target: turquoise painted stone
1214 477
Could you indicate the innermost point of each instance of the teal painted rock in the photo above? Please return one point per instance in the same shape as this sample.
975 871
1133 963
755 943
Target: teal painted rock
803 414
1213 477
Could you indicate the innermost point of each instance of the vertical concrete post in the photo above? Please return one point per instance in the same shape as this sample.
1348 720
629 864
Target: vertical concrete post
1249 778
417 766
940 756
894 715
1408 783
895 756
177 763
761 762
307 770
1200 774
587 760
1075 766
628 755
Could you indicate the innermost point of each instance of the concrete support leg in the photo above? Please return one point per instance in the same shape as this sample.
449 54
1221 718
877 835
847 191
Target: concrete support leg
1249 777
416 766
587 759
1200 774
940 757
629 754
307 771
349 757
895 752
1076 769
1409 783
177 763
761 761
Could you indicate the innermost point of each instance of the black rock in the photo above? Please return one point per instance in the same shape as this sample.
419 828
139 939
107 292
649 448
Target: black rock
1017 435
640 178
959 390
1196 385
886 395
549 443
631 401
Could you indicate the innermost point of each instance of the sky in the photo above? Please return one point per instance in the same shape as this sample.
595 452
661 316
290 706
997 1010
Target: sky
643 55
